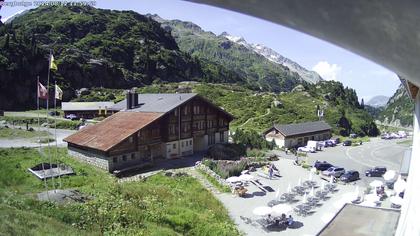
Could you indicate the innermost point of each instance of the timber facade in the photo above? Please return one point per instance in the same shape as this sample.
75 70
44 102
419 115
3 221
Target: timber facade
192 125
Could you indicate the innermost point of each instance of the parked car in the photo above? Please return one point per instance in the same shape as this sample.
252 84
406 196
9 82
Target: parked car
322 165
350 176
334 171
376 171
306 149
54 113
353 135
72 117
329 143
347 143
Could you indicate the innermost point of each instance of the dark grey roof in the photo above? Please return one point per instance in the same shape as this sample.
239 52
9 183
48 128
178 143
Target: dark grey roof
85 106
157 102
302 128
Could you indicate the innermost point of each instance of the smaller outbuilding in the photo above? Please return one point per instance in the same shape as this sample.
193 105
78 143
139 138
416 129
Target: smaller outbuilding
88 110
297 135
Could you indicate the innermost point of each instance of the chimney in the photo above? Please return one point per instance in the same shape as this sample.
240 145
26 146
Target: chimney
129 100
135 97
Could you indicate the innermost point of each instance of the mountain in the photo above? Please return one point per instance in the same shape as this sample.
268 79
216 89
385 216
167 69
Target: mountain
309 76
378 101
255 69
12 17
399 109
93 48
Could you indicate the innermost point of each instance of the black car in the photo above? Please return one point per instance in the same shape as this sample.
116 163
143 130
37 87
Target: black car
322 165
347 143
377 171
350 176
54 113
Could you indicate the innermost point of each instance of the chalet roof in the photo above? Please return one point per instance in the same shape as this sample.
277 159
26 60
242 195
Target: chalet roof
85 106
113 130
302 128
157 102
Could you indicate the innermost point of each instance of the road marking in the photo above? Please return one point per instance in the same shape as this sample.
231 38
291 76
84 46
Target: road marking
353 159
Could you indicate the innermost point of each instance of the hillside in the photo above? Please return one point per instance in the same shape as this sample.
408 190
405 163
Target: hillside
257 71
399 109
259 110
93 48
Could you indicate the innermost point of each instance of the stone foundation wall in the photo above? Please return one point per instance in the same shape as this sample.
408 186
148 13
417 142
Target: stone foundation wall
90 158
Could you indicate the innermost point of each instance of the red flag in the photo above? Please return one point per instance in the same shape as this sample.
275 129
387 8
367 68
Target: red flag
42 92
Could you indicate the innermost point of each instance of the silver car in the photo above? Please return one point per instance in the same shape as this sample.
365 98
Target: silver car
334 171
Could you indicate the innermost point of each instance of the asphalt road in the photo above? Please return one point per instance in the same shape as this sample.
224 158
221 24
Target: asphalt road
377 152
32 142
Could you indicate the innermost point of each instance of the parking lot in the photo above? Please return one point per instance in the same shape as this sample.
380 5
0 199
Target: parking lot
377 152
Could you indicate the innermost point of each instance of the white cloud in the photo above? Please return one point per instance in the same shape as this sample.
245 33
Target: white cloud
326 70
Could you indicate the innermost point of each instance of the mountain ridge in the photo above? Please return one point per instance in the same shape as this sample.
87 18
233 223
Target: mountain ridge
272 55
378 101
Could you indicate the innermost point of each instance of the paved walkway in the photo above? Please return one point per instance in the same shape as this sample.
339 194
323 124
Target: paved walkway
312 224
32 142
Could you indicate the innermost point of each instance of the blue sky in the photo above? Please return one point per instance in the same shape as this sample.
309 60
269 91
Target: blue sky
330 61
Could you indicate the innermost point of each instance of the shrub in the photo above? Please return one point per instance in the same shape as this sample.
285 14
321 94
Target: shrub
227 151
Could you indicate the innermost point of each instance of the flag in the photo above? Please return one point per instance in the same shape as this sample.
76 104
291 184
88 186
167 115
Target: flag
42 92
53 66
58 93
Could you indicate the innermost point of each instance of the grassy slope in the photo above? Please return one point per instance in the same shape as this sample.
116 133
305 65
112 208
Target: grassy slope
20 133
158 206
247 104
19 222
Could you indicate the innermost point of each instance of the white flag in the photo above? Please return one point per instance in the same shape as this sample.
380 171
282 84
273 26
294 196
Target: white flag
58 93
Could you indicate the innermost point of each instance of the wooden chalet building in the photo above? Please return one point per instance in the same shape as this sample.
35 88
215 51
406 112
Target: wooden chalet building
296 135
151 126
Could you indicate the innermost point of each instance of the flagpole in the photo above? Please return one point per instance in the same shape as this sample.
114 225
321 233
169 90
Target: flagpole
48 126
39 135
55 133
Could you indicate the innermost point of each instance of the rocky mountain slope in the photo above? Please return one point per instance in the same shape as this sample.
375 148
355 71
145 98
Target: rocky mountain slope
399 109
259 72
378 101
270 54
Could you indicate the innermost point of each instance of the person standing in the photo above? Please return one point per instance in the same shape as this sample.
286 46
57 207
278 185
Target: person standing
270 171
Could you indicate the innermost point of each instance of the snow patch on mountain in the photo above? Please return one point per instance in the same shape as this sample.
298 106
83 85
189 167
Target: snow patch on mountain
273 56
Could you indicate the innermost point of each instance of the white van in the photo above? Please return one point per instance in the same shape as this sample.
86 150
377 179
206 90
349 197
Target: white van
315 145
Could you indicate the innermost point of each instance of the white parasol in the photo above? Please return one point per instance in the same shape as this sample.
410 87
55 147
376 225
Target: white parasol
289 188
390 175
262 211
246 177
376 183
278 193
357 191
396 200
371 198
331 179
281 209
233 179
400 185
305 198
312 192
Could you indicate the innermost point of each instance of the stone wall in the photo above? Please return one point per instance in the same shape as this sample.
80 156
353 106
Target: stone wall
90 158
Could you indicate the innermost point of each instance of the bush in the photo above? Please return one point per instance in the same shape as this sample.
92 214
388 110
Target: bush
226 169
227 151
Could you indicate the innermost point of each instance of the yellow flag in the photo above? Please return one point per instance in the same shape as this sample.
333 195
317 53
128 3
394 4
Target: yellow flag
53 66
